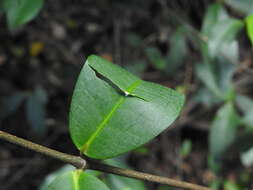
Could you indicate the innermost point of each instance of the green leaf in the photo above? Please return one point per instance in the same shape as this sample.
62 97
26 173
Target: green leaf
245 104
225 72
217 77
206 74
215 184
220 31
205 96
118 112
67 168
156 58
185 148
229 185
35 110
178 51
244 6
51 177
123 183
136 67
223 130
214 13
1 7
20 12
77 180
213 164
134 40
249 27
247 157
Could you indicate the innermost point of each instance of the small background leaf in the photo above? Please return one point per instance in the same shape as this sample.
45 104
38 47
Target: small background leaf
244 6
229 185
51 177
206 74
117 182
247 157
156 58
20 12
185 148
245 104
249 27
178 51
223 130
220 31
206 97
217 77
35 110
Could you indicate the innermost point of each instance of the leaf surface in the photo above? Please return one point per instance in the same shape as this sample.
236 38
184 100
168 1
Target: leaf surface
220 31
116 182
118 112
223 130
217 77
52 176
249 27
36 110
20 12
244 6
245 104
77 180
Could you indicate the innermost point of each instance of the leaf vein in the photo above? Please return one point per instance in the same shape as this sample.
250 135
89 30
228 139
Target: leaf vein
101 126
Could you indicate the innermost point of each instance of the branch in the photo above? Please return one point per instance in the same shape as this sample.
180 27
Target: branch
76 161
79 162
143 176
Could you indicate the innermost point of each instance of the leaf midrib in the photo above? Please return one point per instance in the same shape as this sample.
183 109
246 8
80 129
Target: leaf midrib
75 176
101 126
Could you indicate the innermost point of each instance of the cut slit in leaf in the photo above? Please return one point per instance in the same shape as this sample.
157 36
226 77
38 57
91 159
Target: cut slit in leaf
123 91
105 123
120 101
106 119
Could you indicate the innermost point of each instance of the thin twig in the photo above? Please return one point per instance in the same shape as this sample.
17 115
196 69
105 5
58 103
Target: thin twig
143 176
79 162
76 161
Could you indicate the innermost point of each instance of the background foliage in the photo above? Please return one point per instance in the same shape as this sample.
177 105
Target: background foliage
201 48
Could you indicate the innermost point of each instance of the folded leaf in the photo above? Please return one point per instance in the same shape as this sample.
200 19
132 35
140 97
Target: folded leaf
117 112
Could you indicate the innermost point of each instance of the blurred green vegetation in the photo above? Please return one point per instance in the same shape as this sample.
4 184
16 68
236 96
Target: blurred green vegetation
210 60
